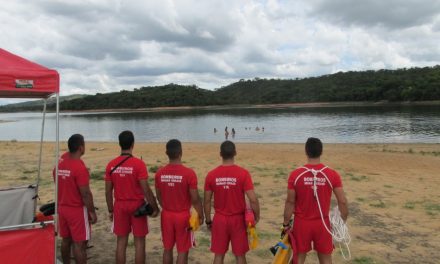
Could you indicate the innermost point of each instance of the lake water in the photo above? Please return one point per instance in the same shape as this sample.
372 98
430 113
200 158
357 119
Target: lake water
361 124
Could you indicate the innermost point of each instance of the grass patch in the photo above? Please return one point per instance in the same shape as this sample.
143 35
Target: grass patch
388 186
257 183
432 208
410 205
431 153
23 178
30 171
364 260
378 204
153 168
360 199
263 253
203 241
97 175
358 178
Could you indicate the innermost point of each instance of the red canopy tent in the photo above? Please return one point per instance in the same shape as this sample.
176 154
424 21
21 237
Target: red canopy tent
20 78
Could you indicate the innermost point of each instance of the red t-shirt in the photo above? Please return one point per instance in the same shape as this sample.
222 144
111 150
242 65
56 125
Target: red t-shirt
72 174
174 182
306 206
126 178
229 184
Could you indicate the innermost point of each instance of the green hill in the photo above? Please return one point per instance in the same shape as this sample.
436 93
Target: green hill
414 84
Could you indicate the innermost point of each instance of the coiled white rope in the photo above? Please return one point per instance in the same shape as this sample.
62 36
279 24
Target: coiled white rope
339 230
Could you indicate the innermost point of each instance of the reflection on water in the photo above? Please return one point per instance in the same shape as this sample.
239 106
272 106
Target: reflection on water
366 124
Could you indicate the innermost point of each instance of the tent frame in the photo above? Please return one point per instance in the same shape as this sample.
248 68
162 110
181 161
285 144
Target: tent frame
57 156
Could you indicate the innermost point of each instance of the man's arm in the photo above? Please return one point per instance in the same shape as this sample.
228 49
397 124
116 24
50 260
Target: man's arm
149 196
342 202
197 203
207 206
87 198
289 207
159 196
254 204
109 198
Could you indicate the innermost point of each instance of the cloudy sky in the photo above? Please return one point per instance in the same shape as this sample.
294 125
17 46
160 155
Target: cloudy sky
109 45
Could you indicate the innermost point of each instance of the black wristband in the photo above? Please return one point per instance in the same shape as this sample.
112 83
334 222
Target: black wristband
208 222
110 211
285 225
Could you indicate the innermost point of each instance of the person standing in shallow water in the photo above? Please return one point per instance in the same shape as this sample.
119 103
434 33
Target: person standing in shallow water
233 133
229 184
226 133
308 228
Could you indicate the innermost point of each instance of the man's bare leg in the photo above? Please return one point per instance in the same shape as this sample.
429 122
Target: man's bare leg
167 256
240 259
121 247
302 258
139 249
79 252
182 257
219 259
66 245
325 258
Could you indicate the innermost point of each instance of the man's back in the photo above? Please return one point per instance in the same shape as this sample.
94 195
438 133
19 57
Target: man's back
174 182
126 176
301 181
72 174
229 184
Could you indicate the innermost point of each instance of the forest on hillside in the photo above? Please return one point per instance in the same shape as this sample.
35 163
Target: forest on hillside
412 84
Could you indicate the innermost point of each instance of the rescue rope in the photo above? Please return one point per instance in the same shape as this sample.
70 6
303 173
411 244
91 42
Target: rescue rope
339 230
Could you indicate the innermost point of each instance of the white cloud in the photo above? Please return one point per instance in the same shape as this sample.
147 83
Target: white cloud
103 46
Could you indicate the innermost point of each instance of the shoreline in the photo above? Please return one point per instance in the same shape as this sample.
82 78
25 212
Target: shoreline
257 106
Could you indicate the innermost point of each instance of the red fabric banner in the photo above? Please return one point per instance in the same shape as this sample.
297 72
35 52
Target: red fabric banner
27 246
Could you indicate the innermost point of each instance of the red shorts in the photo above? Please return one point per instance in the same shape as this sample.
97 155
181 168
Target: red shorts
229 228
124 221
174 226
74 223
307 232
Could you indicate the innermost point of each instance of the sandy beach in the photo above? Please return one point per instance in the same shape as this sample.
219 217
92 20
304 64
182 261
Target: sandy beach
392 191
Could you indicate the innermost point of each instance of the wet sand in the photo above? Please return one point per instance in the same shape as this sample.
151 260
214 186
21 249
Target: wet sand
392 191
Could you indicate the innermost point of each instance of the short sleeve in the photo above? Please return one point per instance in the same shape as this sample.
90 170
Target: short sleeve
208 180
248 185
291 182
82 175
337 182
192 180
141 171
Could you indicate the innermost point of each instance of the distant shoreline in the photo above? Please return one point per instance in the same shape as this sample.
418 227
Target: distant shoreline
257 106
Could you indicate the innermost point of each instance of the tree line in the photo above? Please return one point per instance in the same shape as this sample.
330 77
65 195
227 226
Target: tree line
412 84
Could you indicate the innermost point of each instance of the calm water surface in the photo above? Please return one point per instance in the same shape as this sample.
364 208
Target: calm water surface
366 124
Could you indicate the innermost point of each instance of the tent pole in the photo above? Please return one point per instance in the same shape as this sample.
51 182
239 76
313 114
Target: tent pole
57 156
41 152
